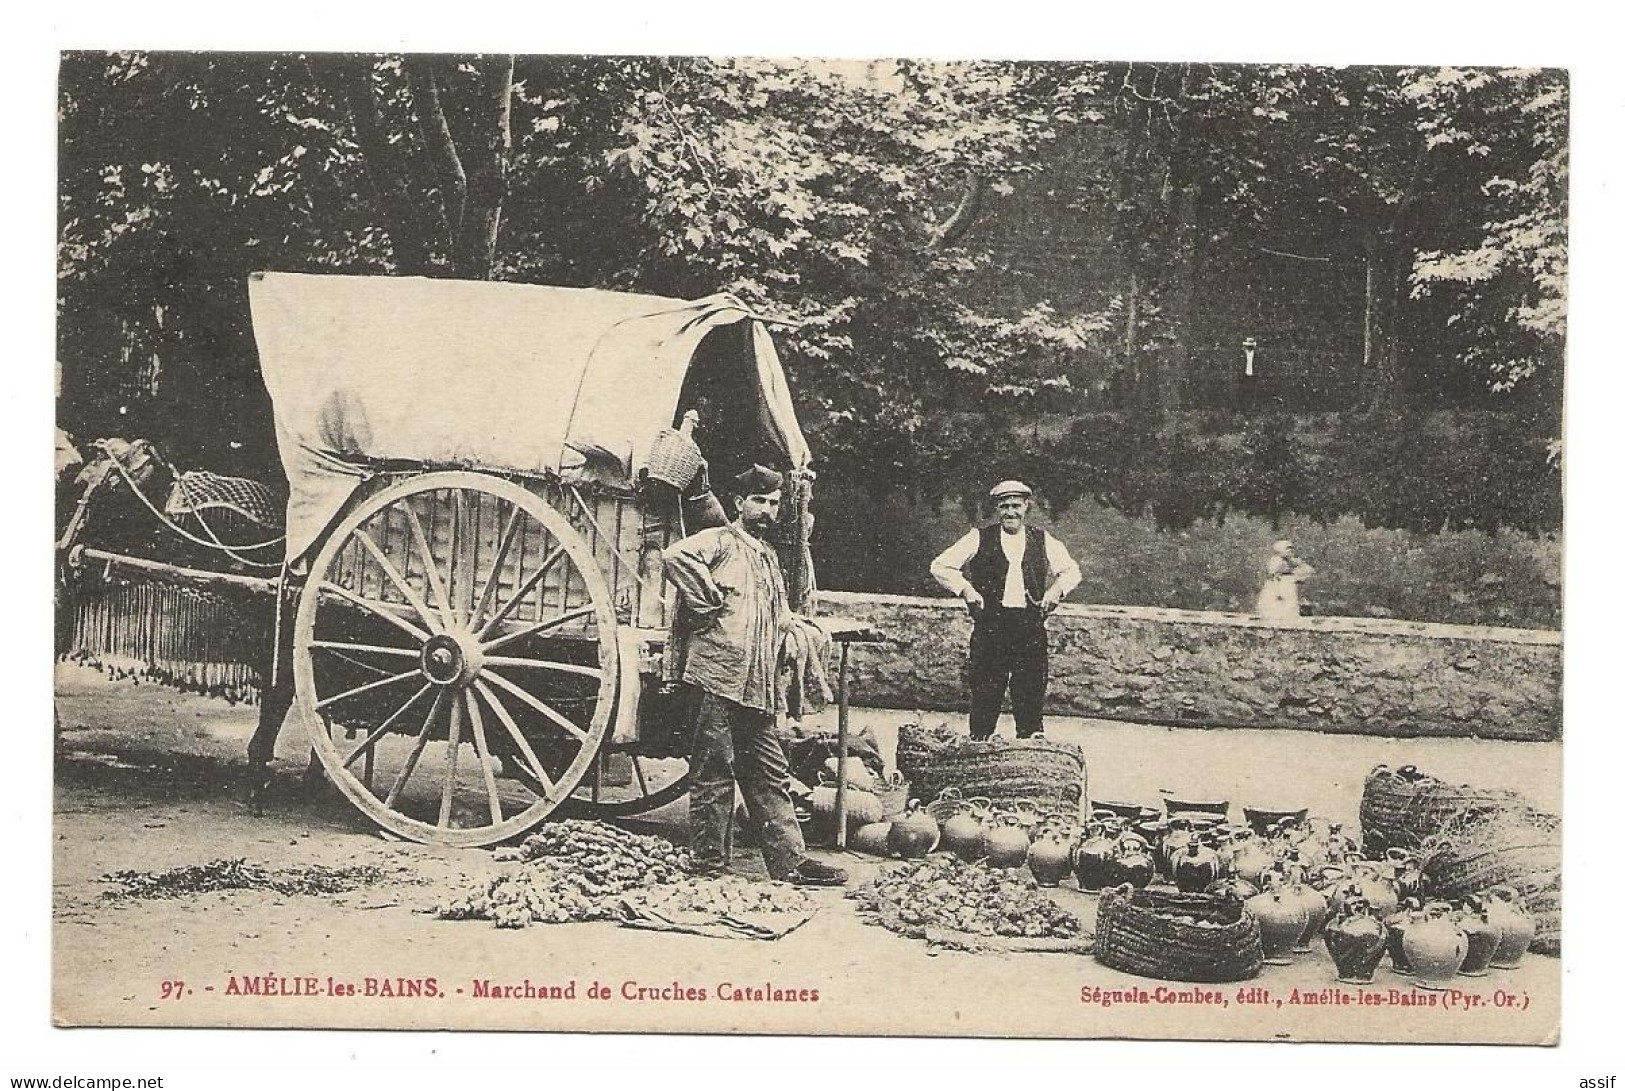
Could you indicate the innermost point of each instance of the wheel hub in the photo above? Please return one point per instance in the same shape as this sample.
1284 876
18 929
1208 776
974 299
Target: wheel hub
451 659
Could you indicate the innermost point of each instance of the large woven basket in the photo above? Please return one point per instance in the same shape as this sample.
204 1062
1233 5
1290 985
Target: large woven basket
1402 808
1516 847
1051 774
1142 932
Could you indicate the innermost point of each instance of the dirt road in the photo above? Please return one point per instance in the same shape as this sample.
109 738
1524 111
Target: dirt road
149 779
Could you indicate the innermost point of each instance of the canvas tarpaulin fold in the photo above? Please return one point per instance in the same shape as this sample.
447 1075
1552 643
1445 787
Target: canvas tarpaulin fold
370 371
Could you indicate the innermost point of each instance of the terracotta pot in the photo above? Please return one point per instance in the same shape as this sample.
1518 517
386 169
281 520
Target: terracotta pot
872 839
1196 868
1236 890
1132 863
964 834
1316 908
913 835
1405 871
1050 858
1173 842
1435 947
1397 922
1281 920
1506 911
1092 859
1355 939
1251 859
1483 937
1007 844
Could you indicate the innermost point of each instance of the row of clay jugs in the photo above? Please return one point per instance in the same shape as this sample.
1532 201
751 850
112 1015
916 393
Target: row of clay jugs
1050 857
1506 911
1356 939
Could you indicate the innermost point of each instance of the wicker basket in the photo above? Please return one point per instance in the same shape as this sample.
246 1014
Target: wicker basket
893 791
1050 774
1140 932
1516 847
1402 808
674 457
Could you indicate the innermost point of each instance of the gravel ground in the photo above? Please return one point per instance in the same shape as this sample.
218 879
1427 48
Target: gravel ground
149 779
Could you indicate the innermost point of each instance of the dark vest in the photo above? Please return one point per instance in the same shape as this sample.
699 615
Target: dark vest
986 568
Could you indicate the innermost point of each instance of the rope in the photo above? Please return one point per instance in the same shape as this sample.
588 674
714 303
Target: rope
182 531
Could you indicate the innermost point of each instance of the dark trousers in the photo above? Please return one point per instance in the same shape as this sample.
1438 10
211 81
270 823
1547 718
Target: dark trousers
734 744
1008 648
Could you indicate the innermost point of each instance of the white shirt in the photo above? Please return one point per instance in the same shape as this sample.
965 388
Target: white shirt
948 568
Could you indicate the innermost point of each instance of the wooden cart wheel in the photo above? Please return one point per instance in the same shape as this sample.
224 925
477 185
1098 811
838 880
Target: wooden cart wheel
455 627
640 785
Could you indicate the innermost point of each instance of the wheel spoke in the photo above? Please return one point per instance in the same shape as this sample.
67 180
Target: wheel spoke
371 740
637 767
530 582
541 627
453 741
417 750
459 530
482 754
379 684
397 579
436 588
519 739
339 645
508 533
544 664
375 609
538 704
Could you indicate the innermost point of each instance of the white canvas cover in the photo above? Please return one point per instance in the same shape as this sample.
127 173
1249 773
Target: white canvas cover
366 370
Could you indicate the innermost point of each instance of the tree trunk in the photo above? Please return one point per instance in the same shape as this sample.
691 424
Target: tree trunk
1131 329
437 139
1383 275
387 171
487 164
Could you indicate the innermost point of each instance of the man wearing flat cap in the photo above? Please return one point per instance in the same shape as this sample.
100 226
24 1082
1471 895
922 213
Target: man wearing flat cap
725 646
1012 576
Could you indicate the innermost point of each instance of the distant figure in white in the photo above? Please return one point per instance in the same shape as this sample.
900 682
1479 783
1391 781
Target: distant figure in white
1279 598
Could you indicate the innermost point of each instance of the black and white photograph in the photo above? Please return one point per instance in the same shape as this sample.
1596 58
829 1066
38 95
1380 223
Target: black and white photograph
870 547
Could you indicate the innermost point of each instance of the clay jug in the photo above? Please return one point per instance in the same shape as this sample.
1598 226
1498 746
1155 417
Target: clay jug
1339 846
914 834
1506 910
1434 947
872 839
1405 871
1092 859
1172 846
1316 909
1372 882
1196 868
1281 921
1007 843
1050 857
1231 888
1132 863
1397 922
1355 939
963 832
1483 937
1252 858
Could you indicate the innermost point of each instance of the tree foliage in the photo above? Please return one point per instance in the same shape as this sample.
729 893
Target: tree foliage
841 199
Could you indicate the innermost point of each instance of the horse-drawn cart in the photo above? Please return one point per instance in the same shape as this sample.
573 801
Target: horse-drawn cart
472 603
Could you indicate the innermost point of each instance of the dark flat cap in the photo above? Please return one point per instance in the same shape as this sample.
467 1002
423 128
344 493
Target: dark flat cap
757 481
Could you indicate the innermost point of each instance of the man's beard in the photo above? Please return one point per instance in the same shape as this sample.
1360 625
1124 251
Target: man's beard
759 525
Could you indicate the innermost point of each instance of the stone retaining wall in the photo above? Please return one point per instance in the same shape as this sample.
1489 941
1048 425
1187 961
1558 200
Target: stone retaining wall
1346 675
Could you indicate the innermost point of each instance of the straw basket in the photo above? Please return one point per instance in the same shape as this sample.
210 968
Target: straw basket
1141 932
1518 847
1050 774
1401 808
674 457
